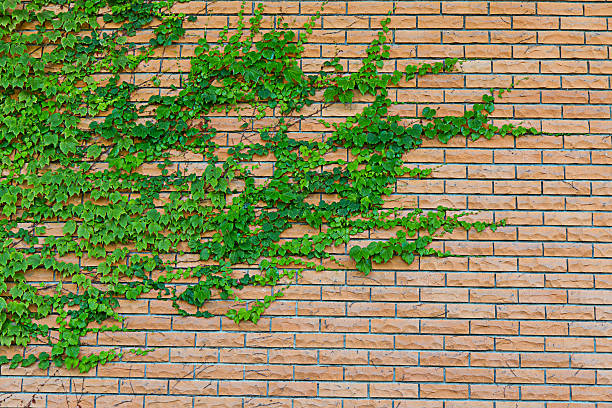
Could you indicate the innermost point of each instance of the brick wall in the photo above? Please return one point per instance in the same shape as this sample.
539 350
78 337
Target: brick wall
526 326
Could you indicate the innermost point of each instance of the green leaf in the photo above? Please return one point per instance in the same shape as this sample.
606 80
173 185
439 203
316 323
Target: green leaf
94 151
50 138
69 227
356 253
68 145
268 54
55 120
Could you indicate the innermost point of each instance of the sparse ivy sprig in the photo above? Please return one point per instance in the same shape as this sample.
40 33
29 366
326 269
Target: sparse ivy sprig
91 200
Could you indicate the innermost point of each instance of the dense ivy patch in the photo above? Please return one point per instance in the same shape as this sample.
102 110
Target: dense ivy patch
76 152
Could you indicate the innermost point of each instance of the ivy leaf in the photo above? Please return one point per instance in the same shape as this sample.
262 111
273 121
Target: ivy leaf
68 145
50 138
293 74
54 120
69 227
31 359
268 54
94 151
356 253
428 113
16 360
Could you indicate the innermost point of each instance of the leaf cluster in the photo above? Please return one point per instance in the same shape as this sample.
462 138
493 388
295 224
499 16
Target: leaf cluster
93 201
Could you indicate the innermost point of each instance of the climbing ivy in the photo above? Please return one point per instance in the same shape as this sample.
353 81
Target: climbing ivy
78 153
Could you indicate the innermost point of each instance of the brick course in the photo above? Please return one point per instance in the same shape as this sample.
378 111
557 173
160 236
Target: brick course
526 326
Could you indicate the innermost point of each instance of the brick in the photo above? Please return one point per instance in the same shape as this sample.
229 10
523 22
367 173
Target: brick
561 37
566 280
566 67
414 374
327 389
602 9
444 358
512 7
590 328
416 36
535 22
344 22
583 23
544 360
464 7
570 376
366 8
418 342
600 67
518 375
120 400
417 7
554 8
491 22
574 344
197 387
312 403
68 401
462 37
586 393
494 359
519 344
360 373
255 388
368 341
394 390
585 51
498 392
440 22
451 391
590 82
549 393
514 66
470 311
516 37
295 389
438 51
469 343
256 402
488 51
536 51
551 329
392 357
158 401
318 373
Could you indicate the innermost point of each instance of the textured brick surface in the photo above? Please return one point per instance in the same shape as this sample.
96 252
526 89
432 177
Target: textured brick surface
526 326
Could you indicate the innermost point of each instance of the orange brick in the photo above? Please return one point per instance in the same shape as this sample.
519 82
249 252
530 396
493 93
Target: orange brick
464 7
512 7
452 391
583 23
494 22
587 393
597 9
366 8
535 22
536 51
440 22
549 393
560 9
417 7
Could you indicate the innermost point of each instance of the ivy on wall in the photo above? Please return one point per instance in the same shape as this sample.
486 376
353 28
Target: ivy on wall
75 149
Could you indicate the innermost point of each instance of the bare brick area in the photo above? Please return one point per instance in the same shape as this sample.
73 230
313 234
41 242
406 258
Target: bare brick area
525 322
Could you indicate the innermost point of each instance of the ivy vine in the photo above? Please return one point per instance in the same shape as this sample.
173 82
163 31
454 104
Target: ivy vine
76 151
